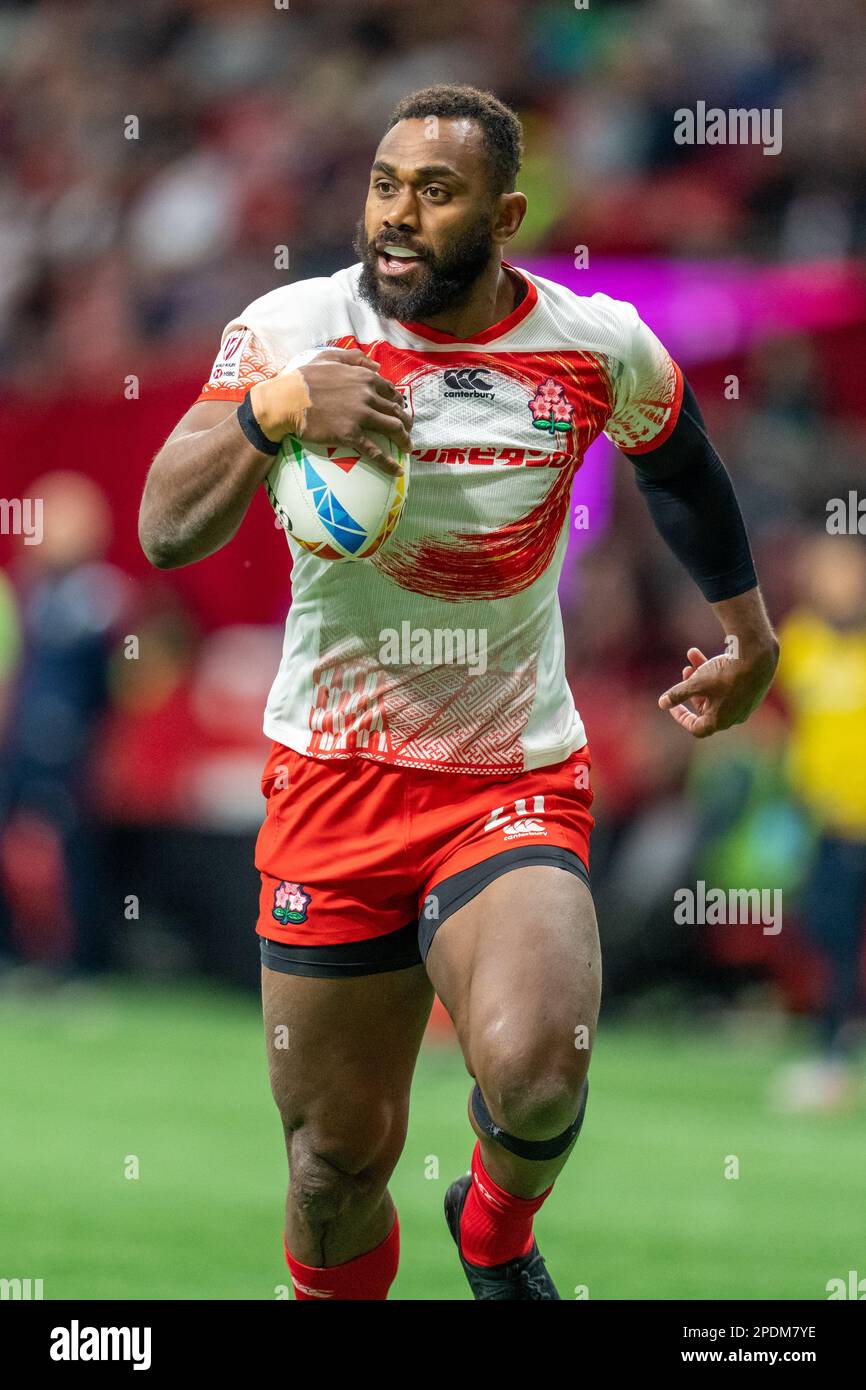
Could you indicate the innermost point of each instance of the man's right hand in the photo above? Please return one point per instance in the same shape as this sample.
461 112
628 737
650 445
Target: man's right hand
349 399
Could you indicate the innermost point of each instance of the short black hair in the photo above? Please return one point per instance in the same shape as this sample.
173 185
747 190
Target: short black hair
503 136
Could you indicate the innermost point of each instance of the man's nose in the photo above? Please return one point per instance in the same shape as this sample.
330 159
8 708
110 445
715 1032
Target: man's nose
403 212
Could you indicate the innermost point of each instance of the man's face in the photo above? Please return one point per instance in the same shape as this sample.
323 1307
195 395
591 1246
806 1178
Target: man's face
428 227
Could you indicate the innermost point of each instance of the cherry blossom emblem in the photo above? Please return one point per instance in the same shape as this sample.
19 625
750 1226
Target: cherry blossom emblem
550 408
290 903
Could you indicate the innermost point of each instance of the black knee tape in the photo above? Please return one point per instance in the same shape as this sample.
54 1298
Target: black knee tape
538 1149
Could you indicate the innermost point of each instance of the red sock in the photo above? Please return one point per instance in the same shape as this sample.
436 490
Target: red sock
495 1227
369 1276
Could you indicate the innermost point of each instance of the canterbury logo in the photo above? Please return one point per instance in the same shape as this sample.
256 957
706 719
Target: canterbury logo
311 1293
468 379
521 821
524 827
494 1201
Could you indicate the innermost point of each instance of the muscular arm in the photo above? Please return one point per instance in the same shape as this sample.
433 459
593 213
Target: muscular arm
204 477
693 505
199 486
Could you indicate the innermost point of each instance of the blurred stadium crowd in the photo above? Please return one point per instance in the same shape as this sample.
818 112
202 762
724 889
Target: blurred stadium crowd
255 127
152 159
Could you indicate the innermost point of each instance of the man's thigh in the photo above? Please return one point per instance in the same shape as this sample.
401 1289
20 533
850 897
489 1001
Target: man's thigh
341 1053
519 967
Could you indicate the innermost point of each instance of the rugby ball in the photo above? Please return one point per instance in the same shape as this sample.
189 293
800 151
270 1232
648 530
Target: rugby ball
331 500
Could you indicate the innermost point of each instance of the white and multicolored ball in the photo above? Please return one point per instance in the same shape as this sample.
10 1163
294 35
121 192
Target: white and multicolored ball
331 500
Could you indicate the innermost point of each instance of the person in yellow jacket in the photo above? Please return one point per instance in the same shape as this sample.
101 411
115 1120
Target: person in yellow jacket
822 675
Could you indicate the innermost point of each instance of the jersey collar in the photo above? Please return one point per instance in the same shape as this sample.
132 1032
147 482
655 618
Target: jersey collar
487 335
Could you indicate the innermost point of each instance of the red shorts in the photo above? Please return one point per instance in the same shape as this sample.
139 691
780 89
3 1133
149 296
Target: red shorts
360 862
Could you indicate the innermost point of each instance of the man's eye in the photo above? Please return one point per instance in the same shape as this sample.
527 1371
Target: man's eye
383 186
434 191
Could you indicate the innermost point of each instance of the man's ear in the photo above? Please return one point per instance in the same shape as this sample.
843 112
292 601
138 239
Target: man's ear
510 213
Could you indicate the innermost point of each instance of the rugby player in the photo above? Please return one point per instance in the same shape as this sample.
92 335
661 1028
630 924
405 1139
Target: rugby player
427 821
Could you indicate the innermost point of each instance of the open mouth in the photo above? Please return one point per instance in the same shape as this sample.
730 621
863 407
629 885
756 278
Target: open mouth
397 260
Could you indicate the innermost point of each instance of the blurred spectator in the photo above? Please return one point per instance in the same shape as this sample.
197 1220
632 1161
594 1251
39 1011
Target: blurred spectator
71 603
10 639
823 676
154 158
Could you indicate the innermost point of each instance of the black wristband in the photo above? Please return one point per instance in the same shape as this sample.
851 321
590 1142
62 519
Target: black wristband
253 430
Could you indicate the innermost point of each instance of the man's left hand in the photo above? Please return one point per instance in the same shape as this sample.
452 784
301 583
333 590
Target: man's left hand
718 691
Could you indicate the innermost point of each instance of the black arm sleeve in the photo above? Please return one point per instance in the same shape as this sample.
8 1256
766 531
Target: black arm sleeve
694 507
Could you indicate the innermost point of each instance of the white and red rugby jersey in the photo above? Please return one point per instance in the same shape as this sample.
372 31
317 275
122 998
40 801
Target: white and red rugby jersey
445 649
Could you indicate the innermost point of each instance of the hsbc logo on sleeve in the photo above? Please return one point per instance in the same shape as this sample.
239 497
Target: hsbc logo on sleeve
227 367
470 382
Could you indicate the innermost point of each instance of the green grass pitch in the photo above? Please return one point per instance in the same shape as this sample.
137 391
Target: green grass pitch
176 1078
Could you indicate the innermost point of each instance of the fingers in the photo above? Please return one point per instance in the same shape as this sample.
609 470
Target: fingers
698 725
699 722
378 458
701 678
350 357
354 357
694 703
382 392
389 425
678 694
388 397
395 408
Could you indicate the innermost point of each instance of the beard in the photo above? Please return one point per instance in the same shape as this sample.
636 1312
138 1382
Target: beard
441 282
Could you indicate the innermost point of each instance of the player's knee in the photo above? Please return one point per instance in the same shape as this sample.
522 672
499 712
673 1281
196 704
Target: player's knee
535 1093
319 1189
334 1167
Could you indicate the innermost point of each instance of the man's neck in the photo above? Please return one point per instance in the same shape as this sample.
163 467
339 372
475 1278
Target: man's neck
495 295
